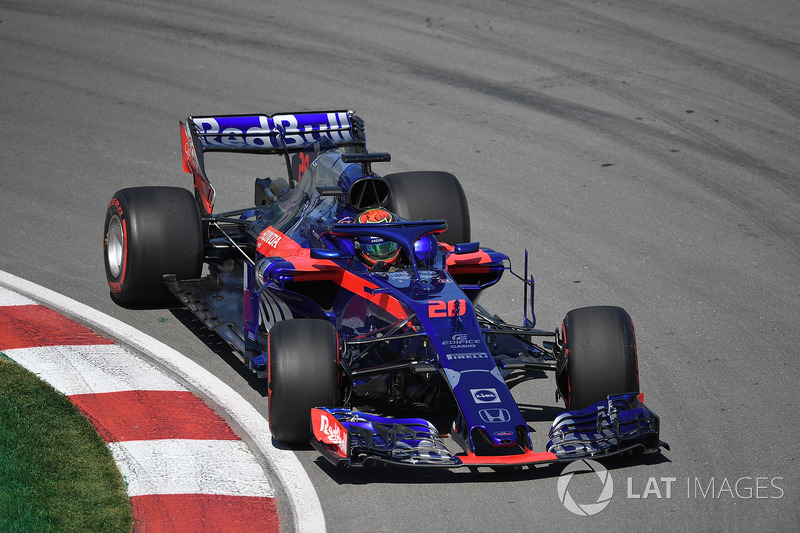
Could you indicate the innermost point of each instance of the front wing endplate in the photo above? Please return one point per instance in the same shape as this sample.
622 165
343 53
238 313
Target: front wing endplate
619 424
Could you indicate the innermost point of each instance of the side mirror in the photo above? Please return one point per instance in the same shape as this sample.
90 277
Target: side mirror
467 248
325 253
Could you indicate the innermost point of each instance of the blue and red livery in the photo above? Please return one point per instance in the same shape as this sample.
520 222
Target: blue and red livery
352 347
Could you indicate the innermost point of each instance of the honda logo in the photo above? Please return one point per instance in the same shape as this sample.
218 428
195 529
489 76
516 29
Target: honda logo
494 416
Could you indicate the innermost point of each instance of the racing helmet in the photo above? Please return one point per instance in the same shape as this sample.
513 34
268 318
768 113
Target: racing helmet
373 249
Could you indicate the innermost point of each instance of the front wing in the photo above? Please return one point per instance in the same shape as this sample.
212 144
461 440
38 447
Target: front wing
351 438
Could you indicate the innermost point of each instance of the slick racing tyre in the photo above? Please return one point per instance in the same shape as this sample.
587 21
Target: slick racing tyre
303 373
149 232
433 195
600 355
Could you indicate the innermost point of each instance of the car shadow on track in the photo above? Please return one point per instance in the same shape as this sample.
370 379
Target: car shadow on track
220 348
539 413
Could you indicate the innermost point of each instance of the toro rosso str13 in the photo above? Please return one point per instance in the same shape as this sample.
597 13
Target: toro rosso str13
355 295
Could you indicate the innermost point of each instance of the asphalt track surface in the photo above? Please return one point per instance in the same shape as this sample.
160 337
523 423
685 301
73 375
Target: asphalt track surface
645 152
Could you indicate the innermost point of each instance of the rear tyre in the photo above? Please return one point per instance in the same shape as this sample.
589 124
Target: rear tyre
600 355
149 232
433 195
303 373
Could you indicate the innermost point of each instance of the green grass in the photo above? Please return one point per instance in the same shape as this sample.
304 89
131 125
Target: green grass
56 473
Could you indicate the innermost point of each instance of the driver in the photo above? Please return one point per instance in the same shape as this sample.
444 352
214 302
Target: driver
374 250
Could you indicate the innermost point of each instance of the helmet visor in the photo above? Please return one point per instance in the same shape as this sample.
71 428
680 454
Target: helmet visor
379 251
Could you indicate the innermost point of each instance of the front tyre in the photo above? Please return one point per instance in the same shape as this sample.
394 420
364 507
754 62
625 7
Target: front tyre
149 232
303 373
599 355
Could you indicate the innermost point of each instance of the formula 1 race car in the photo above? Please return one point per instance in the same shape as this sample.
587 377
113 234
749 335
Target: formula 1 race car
353 292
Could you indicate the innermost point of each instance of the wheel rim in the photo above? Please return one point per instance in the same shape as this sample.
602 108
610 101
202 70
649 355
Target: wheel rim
116 246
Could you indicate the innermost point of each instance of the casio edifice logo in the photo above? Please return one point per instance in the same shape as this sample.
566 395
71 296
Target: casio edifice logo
461 340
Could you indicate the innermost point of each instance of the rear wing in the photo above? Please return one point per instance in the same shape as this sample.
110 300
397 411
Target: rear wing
281 133
277 134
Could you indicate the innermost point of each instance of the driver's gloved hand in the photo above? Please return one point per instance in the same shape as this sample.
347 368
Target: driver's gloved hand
381 266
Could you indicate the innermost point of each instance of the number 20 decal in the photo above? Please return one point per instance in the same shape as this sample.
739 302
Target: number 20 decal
443 309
